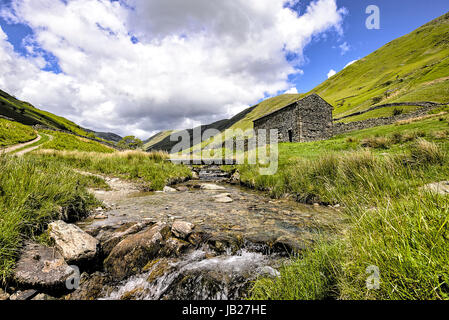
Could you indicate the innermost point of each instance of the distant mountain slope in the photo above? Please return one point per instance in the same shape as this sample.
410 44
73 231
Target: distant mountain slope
158 137
166 145
413 68
27 114
109 136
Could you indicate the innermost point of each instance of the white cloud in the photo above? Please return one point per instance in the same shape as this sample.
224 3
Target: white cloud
349 63
331 73
195 61
292 91
345 47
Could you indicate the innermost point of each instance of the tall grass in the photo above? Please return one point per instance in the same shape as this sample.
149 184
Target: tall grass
33 193
394 225
150 168
312 276
408 241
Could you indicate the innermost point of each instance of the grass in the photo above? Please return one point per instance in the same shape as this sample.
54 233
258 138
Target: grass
26 113
44 139
32 194
427 125
383 112
377 176
409 69
413 68
310 277
151 169
12 133
64 141
156 139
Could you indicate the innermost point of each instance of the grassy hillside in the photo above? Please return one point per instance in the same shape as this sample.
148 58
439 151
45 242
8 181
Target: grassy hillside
158 137
27 114
12 132
376 176
166 144
68 142
412 68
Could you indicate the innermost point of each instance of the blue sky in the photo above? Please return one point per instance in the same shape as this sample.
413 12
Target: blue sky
398 17
175 64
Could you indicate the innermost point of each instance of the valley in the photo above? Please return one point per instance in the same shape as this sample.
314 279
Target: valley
114 222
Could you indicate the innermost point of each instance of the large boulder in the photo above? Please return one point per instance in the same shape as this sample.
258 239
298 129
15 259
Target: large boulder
109 240
131 254
42 268
76 246
169 190
92 287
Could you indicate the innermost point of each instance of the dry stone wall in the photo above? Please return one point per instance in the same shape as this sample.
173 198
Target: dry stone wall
340 127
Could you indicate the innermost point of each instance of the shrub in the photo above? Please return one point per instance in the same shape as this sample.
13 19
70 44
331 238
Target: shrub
397 138
424 153
397 112
376 143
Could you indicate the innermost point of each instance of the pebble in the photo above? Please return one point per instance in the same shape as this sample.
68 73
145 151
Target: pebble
224 200
209 186
169 190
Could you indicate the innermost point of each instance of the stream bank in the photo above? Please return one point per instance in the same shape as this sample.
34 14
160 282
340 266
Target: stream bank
201 239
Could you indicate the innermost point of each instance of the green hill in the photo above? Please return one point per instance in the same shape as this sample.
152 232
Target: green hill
413 68
158 137
27 114
12 132
163 139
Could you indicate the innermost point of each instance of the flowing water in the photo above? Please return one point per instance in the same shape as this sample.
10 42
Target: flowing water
248 235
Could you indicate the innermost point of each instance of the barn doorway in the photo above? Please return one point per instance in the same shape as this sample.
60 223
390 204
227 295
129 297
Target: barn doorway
290 135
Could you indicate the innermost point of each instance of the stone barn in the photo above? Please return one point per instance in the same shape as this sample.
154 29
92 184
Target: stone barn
308 119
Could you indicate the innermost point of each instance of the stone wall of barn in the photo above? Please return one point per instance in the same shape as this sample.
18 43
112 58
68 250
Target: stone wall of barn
315 119
284 120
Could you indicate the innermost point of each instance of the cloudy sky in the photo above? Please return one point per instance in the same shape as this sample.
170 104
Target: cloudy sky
140 66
